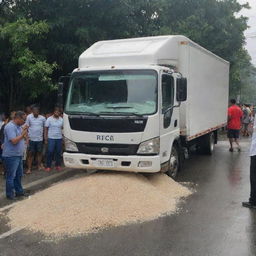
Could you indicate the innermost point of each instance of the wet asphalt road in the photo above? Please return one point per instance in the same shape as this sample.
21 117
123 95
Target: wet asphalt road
211 221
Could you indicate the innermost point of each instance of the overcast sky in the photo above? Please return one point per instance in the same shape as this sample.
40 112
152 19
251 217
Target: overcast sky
250 33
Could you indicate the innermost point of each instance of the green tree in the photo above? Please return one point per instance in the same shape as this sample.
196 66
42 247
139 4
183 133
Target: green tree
24 72
72 26
216 26
75 25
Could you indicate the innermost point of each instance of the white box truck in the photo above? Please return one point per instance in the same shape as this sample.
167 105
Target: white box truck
137 104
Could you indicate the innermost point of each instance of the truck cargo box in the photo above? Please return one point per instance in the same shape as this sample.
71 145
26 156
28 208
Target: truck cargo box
208 88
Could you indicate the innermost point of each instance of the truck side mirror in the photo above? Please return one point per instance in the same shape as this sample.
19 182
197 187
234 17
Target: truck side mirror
63 84
181 94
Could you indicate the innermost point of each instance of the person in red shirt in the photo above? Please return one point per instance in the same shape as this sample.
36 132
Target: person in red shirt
234 124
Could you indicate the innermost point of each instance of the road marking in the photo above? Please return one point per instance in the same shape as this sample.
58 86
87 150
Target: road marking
40 181
8 207
32 184
9 233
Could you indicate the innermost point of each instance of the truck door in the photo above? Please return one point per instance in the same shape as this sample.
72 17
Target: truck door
169 116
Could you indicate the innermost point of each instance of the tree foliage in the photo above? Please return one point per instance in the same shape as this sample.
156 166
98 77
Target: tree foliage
25 73
42 39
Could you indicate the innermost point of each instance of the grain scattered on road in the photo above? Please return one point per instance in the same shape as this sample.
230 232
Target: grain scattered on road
95 202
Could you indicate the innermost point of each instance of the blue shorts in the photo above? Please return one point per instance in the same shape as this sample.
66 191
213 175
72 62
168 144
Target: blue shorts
35 146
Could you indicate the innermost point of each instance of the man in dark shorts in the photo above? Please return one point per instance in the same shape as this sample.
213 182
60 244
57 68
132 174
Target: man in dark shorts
35 122
234 124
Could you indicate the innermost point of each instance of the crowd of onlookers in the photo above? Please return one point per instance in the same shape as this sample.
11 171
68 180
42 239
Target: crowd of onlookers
43 140
43 143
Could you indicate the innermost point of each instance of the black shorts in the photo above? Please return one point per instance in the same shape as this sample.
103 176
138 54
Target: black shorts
233 134
35 146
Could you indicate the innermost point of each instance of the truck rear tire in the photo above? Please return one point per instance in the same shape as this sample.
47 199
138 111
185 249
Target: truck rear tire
206 145
174 162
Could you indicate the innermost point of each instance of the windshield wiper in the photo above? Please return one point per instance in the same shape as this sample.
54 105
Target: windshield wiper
118 107
91 114
136 114
120 113
83 113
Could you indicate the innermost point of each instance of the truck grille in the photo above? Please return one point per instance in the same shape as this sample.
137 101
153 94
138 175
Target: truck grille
107 149
107 124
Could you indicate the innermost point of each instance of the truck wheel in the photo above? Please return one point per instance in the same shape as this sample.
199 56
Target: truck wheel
174 162
207 144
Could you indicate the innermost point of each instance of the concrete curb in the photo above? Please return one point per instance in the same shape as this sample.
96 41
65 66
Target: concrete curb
43 181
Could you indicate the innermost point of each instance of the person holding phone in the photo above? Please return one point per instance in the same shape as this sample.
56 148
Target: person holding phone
13 149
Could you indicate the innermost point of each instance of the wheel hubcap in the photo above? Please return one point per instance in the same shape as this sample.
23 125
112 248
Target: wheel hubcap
173 163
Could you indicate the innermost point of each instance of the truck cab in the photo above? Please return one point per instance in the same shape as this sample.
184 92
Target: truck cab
122 118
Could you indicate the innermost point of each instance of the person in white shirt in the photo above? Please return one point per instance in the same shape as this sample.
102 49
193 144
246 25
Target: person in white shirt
53 138
252 200
246 119
36 123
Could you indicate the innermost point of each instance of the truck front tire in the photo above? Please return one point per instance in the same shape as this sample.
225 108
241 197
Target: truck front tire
174 162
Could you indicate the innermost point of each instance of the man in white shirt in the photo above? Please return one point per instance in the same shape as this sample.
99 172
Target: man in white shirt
36 123
252 200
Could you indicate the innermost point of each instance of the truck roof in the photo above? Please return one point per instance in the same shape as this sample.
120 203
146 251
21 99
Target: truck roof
157 50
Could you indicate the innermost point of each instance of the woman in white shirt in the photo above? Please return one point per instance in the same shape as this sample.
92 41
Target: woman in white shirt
53 138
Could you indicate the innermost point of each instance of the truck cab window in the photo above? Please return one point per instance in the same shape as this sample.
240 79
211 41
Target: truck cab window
167 91
121 91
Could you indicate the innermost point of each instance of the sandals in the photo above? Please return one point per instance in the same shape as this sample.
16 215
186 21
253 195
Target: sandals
28 172
232 150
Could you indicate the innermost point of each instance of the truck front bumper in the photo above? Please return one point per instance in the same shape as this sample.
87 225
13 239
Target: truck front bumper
145 164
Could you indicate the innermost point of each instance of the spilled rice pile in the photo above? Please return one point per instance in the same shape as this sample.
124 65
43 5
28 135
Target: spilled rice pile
98 201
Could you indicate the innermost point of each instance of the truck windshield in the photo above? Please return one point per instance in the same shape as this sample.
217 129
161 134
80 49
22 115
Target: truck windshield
113 92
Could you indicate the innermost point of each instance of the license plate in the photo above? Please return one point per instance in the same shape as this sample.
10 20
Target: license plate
104 163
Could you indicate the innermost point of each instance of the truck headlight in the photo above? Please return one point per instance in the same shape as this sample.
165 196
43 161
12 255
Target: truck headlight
149 147
70 145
